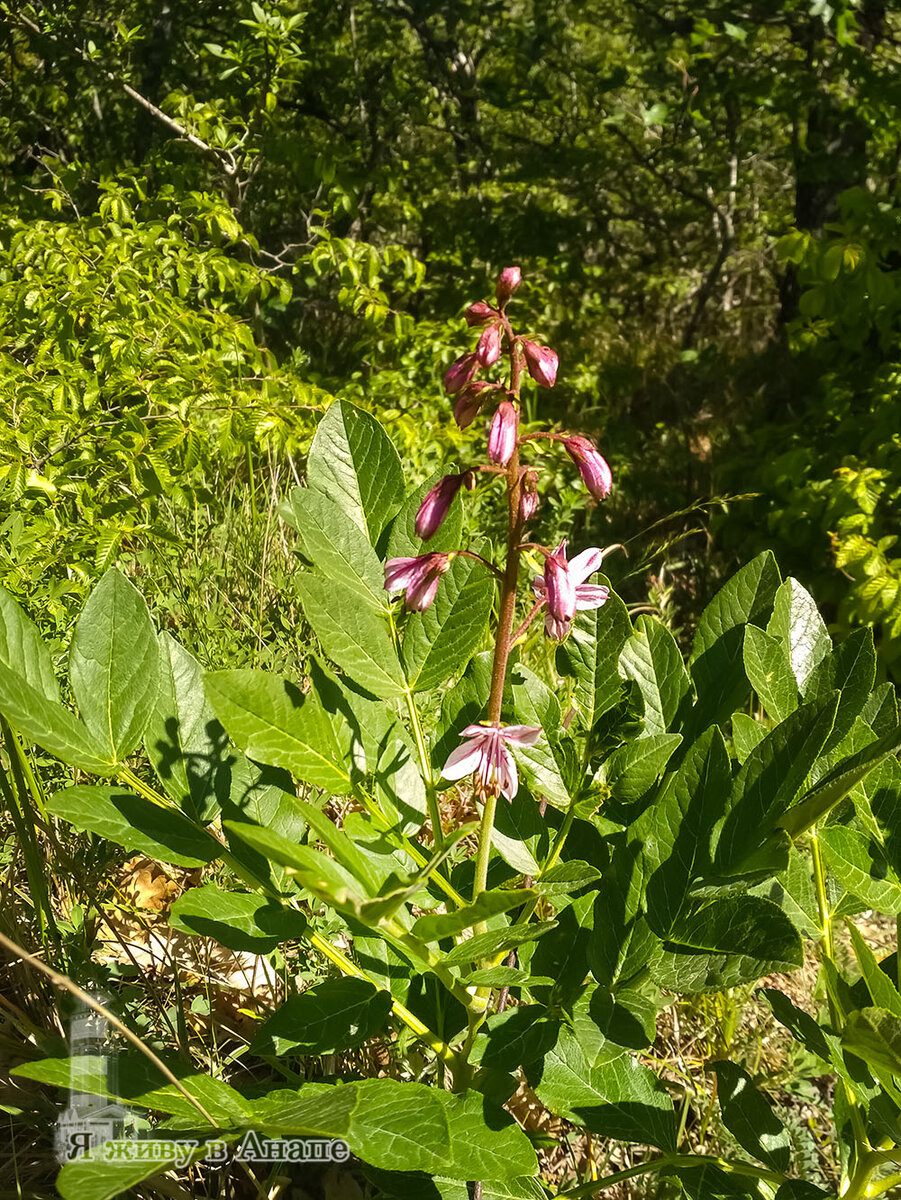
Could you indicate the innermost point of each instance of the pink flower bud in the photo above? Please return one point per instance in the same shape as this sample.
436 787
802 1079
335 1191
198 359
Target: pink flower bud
542 363
528 497
436 506
460 372
559 585
420 577
479 313
593 467
488 350
469 402
509 280
503 433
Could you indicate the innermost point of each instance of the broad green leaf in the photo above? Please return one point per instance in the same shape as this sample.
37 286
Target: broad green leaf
566 877
23 652
50 725
335 544
238 920
135 823
801 1189
797 624
851 669
183 740
622 941
769 672
874 1035
433 926
353 461
439 642
91 1177
520 836
138 1082
562 953
335 1015
716 659
883 992
881 709
673 834
262 796
322 875
404 1126
860 865
495 942
517 1037
403 541
792 889
274 722
621 1099
632 769
544 764
652 658
706 1181
834 786
769 781
746 734
804 1029
591 656
750 1118
113 665
353 635
726 942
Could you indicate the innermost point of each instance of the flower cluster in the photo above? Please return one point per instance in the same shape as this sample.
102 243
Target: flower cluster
563 588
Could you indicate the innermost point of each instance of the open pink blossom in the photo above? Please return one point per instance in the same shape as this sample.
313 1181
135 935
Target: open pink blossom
420 577
485 753
564 588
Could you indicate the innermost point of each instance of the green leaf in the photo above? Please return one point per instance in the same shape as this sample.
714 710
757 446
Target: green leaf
861 867
495 942
674 832
851 669
521 836
405 1127
882 990
620 1099
434 926
874 1035
50 725
797 624
750 1118
652 658
517 1037
94 1178
403 541
113 665
353 635
543 764
726 942
238 920
335 544
769 672
834 786
353 461
183 740
769 781
136 823
746 734
439 642
335 1015
274 722
632 769
22 650
716 659
591 656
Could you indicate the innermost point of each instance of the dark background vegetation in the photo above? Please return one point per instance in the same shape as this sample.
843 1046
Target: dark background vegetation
217 215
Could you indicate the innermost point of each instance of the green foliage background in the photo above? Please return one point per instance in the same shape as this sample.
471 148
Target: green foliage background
217 217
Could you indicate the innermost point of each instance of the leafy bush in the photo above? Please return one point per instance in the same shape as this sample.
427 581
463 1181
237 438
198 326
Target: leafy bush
647 826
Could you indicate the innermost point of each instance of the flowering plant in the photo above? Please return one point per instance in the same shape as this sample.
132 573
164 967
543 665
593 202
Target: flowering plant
508 880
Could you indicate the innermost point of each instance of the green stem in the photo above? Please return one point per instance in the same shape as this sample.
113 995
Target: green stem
425 765
674 1161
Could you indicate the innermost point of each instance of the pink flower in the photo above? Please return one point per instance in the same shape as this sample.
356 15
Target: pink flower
460 372
528 496
488 351
503 433
436 506
484 753
420 577
479 313
593 467
563 586
469 402
542 363
509 280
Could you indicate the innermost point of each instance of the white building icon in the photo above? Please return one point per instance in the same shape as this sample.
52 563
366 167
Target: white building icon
89 1120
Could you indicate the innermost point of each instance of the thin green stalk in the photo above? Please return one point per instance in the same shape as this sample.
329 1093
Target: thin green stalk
34 786
431 795
673 1162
